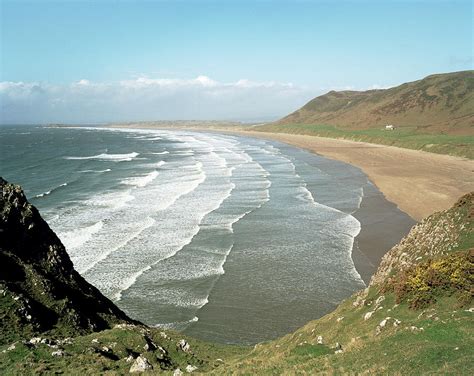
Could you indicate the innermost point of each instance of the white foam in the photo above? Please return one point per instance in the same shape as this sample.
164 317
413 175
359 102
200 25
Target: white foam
112 200
50 191
172 325
76 238
161 152
141 181
108 157
97 171
148 222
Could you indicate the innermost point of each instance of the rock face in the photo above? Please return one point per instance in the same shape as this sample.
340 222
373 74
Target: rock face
436 235
39 289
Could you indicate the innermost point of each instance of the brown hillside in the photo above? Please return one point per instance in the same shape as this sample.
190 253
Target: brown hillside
437 103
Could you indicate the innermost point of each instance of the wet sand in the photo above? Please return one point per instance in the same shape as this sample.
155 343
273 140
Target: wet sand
416 182
419 183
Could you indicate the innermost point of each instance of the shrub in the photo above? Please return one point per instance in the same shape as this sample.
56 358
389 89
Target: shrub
422 283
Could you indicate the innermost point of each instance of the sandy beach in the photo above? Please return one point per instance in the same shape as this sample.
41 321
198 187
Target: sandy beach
415 182
419 183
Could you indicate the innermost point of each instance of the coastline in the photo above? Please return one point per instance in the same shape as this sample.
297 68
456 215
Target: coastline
406 182
419 183
383 223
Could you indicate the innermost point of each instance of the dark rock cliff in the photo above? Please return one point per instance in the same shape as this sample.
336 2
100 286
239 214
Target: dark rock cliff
39 289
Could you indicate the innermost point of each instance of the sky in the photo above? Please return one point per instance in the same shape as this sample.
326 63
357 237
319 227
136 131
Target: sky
104 60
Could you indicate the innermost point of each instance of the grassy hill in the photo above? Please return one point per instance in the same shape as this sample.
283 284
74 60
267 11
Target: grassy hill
433 114
416 317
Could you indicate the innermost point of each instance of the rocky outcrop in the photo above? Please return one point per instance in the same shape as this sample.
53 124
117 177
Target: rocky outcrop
39 289
437 235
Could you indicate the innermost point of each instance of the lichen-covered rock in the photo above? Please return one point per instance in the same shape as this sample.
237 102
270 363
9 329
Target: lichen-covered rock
190 368
184 346
140 364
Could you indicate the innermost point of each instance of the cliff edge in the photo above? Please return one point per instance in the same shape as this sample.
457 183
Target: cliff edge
39 289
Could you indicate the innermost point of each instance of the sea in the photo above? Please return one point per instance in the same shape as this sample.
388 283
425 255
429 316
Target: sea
228 238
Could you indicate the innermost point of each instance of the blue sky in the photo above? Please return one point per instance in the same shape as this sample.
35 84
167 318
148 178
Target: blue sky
313 46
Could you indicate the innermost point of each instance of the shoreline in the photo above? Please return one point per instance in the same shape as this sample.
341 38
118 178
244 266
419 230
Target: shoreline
383 223
418 182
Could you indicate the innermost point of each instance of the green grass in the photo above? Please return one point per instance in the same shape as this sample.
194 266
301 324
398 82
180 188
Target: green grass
405 137
84 356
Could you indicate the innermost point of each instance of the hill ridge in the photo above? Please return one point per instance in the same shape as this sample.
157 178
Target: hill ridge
442 102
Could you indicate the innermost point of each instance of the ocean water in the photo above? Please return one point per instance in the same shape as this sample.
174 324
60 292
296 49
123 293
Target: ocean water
227 238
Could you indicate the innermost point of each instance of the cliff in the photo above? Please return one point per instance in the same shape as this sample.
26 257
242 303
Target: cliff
39 289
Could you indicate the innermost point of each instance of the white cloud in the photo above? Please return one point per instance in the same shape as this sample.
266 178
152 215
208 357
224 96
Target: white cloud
145 98
83 82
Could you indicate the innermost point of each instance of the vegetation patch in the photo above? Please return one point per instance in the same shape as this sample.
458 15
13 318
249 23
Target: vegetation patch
421 284
311 350
409 137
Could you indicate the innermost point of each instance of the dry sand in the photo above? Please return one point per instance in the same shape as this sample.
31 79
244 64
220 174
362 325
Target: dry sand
419 183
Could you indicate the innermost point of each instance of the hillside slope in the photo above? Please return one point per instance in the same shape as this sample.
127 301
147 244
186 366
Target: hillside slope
440 103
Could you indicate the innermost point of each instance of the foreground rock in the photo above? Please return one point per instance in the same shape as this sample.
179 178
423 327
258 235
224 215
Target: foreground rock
40 290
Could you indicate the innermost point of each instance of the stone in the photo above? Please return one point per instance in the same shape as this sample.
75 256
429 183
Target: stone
11 347
184 346
177 372
129 359
368 315
320 340
384 322
190 368
35 340
141 364
338 346
163 335
379 300
58 353
339 319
